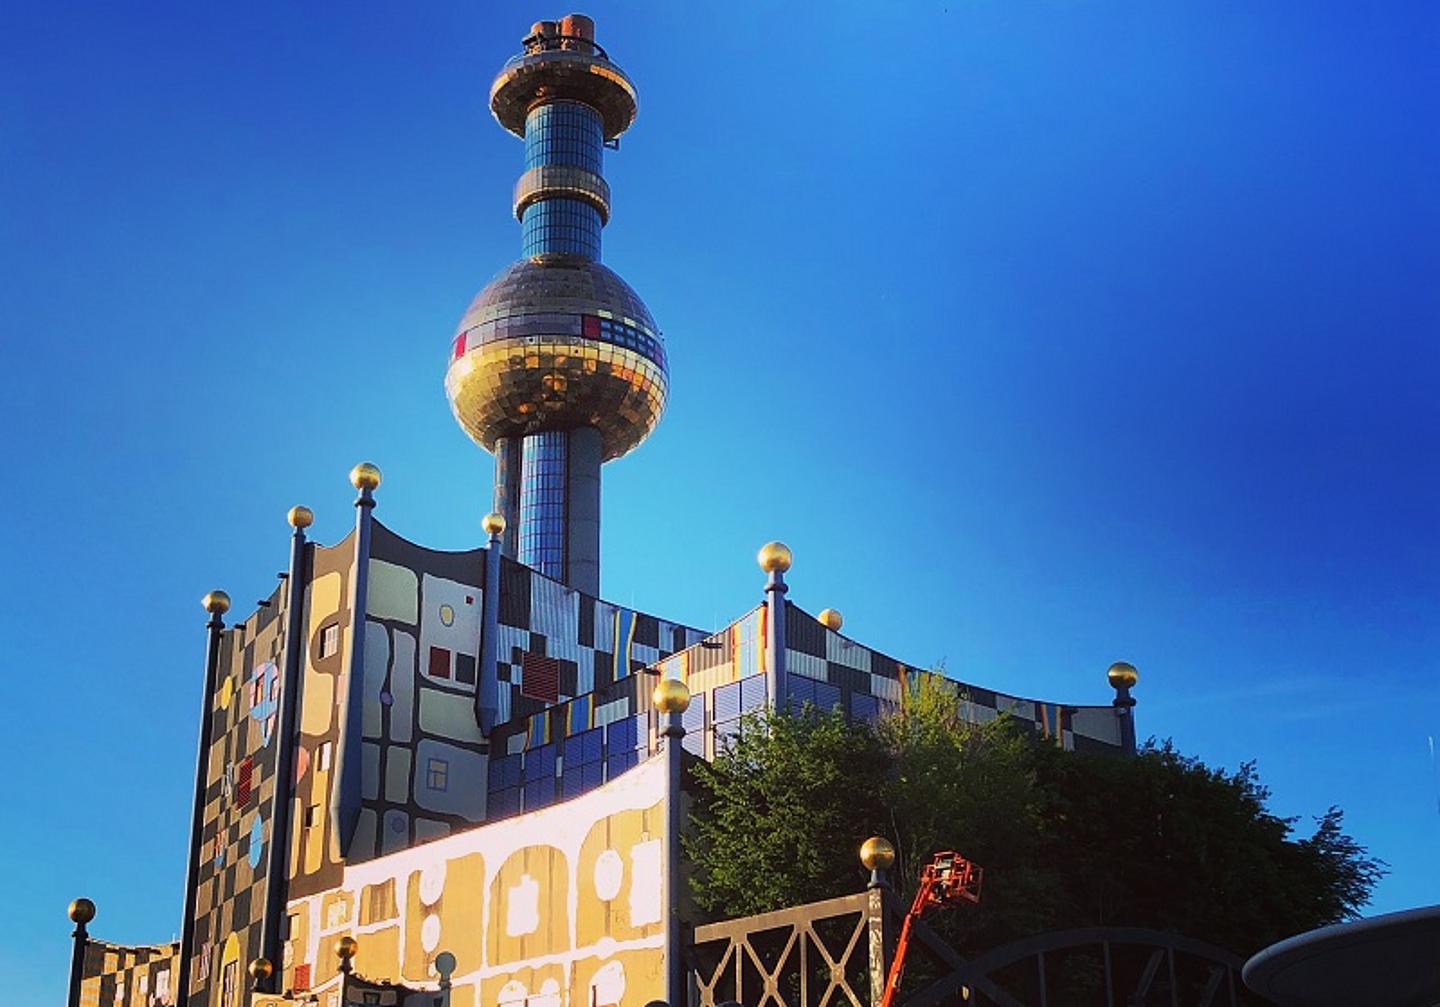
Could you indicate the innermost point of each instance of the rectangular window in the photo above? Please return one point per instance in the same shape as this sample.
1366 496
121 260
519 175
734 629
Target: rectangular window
439 662
228 986
437 774
292 926
244 778
325 757
330 639
312 816
302 978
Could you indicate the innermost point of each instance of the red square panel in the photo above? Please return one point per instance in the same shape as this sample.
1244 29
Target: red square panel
439 662
540 677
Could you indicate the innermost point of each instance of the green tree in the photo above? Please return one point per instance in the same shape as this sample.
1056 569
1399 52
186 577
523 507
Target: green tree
1067 840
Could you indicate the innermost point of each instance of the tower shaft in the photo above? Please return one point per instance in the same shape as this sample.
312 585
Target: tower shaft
558 366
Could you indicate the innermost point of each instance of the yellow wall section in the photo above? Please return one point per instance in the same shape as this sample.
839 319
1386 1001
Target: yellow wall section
545 904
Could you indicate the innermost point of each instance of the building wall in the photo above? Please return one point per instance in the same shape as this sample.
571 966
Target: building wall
563 904
119 975
240 784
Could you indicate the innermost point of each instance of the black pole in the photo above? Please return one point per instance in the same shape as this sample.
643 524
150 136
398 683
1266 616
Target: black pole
217 603
82 911
277 863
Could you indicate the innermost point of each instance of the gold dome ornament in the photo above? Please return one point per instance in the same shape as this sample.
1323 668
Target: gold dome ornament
365 476
493 523
261 969
216 602
81 911
346 948
671 696
831 618
1122 675
877 854
774 557
300 516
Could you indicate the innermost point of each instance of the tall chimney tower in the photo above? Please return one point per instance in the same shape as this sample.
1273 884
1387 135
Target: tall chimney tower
557 366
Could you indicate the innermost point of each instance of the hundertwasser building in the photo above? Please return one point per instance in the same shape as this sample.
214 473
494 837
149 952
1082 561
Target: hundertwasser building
449 777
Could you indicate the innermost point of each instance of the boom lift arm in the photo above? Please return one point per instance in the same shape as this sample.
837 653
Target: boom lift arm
947 880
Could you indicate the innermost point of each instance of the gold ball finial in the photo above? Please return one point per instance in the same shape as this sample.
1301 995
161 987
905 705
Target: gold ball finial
216 602
671 696
831 618
774 557
493 523
1122 674
261 969
365 476
81 911
300 516
346 948
877 854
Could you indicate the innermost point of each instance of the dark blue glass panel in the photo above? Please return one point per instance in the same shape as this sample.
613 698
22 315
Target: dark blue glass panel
503 803
564 132
621 735
540 762
539 793
542 502
727 701
752 692
504 772
863 707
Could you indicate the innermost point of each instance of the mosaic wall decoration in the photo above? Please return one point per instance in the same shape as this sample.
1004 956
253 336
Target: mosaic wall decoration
119 975
562 906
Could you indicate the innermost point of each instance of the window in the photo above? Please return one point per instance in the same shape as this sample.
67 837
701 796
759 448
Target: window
330 639
302 978
325 757
437 774
244 778
312 816
228 986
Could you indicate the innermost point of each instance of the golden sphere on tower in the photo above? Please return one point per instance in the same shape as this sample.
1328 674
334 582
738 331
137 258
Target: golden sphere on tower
346 947
876 853
1122 674
671 696
774 557
261 968
216 602
365 476
831 618
493 523
81 911
300 516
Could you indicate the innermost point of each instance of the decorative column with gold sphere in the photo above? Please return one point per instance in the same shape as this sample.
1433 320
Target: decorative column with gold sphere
878 855
672 699
774 558
345 799
260 971
216 603
277 853
1122 677
81 912
487 693
346 948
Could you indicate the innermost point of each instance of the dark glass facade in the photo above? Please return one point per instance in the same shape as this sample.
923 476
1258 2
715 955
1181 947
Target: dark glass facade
542 502
569 134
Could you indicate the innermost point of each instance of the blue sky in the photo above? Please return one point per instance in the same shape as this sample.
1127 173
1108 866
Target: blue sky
1046 334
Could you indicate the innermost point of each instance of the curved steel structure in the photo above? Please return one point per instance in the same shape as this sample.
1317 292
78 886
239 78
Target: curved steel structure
557 366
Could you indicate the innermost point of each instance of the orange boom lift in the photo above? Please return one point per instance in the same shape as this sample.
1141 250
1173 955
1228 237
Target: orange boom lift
947 880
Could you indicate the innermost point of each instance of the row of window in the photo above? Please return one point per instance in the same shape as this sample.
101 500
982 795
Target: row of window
564 132
605 330
559 224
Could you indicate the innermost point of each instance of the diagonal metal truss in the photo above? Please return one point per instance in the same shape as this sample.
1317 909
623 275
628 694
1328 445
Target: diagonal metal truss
837 952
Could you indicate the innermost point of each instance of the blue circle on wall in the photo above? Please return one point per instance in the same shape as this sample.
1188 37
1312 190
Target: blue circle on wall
257 842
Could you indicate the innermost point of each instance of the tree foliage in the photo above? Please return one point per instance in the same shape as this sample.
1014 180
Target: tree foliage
1067 840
